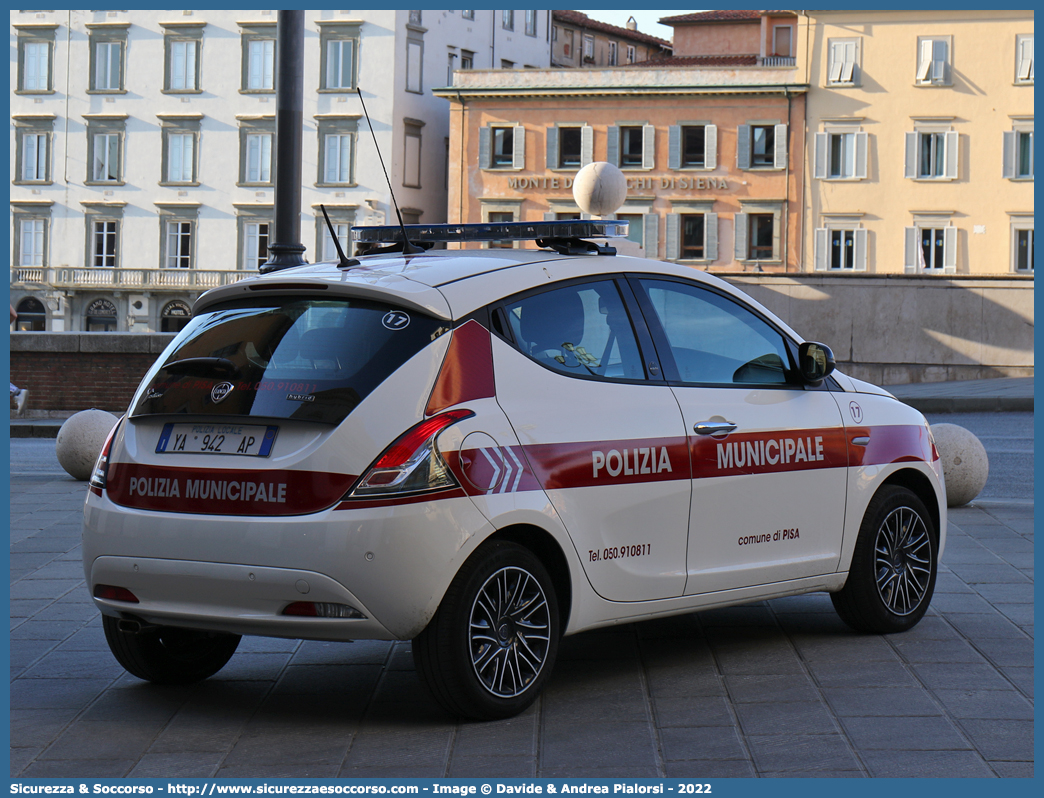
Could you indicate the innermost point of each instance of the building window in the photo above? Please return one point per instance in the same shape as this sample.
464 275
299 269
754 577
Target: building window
840 249
336 150
505 64
842 69
175 316
32 315
502 147
32 148
1024 59
531 23
467 59
416 17
634 226
1018 152
933 61
258 69
631 146
467 14
339 64
931 154
32 239
931 247
782 36
105 149
612 53
256 142
757 231
411 176
100 316
761 146
507 20
451 62
183 43
569 146
414 66
103 249
108 66
180 135
1022 246
341 219
589 49
256 245
338 53
630 54
693 146
178 245
692 236
692 232
567 44
841 155
35 51
499 217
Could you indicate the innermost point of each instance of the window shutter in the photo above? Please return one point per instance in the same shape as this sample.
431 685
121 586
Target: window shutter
518 148
741 228
710 144
939 62
777 235
860 250
911 154
821 249
849 58
550 216
1009 153
822 149
586 145
674 147
837 62
648 146
910 260
1026 59
743 147
333 157
780 160
861 153
612 145
710 236
651 234
951 155
673 244
950 249
484 148
552 147
924 65
30 158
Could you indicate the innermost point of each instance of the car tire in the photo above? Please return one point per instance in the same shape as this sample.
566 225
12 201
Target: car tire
169 654
491 645
894 566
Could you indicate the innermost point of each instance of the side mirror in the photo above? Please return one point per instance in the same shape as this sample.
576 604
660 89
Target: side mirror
815 361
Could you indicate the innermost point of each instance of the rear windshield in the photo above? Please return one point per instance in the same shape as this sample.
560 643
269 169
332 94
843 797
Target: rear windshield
301 358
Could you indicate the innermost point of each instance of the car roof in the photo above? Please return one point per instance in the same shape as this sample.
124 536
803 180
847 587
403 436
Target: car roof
451 284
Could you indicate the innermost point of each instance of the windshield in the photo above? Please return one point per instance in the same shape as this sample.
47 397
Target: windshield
301 358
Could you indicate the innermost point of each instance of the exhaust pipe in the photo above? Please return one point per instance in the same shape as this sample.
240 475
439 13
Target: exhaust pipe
133 626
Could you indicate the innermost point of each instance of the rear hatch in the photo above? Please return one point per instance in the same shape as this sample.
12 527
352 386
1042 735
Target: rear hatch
233 417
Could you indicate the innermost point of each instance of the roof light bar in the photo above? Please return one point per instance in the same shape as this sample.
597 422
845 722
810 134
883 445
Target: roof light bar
490 231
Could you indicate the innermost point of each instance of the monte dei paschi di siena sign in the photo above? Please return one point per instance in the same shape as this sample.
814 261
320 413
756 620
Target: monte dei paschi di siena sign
633 183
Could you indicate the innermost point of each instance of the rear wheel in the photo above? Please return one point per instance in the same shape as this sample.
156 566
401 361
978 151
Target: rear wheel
490 647
892 576
169 654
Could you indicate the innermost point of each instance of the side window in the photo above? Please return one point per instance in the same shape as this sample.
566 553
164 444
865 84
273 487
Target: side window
713 339
581 330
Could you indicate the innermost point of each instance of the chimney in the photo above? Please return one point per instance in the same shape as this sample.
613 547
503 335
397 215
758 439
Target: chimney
632 23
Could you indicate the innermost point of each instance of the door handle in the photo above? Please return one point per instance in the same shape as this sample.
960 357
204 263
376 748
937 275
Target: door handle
715 428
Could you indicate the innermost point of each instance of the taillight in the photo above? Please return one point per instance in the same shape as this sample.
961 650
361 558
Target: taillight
411 464
113 593
315 609
101 467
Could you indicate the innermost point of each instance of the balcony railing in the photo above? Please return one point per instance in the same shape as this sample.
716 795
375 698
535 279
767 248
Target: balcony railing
135 279
777 61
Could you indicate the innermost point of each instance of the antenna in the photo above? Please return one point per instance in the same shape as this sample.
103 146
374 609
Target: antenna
407 247
342 261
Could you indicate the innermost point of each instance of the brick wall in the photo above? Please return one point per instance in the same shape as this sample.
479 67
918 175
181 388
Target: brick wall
78 370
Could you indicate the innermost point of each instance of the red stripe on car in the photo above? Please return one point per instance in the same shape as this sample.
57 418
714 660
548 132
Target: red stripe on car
467 371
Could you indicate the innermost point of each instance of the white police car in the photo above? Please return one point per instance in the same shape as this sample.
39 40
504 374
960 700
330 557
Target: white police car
484 450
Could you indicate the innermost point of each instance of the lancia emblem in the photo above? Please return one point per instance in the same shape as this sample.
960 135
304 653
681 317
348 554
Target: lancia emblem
220 391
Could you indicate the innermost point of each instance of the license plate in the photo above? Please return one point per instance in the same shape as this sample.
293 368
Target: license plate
253 440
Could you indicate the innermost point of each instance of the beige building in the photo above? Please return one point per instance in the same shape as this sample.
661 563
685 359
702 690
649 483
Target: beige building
579 41
920 136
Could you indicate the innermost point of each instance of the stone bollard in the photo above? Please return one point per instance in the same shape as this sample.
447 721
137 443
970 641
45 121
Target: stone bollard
80 441
964 461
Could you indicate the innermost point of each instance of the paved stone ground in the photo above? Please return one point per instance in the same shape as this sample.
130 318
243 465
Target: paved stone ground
780 688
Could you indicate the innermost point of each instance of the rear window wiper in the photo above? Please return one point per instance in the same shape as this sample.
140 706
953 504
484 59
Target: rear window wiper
203 366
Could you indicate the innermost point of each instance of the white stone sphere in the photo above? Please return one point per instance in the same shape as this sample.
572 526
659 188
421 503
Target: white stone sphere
599 188
80 441
964 461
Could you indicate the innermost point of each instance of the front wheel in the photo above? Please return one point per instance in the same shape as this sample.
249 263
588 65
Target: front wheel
169 654
894 566
490 647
